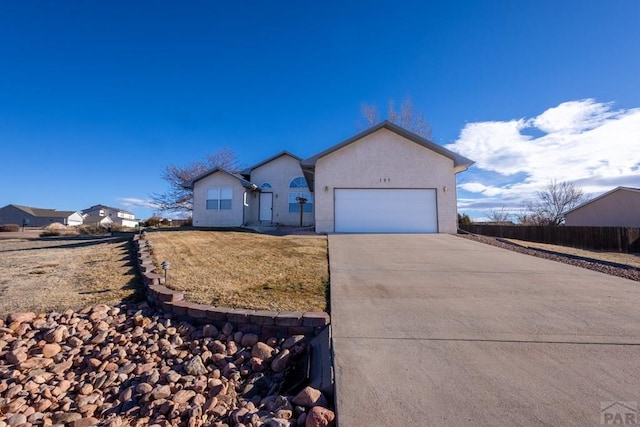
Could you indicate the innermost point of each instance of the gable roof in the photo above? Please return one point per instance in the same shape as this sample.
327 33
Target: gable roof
105 207
460 163
189 184
248 170
44 213
603 195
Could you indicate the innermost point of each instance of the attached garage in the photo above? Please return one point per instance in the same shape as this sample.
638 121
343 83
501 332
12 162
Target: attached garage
367 210
385 180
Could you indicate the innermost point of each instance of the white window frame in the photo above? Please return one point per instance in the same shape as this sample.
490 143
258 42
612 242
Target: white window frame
295 190
219 198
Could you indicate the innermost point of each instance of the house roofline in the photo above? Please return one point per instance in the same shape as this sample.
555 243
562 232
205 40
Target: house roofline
43 212
635 190
189 184
100 205
248 170
460 163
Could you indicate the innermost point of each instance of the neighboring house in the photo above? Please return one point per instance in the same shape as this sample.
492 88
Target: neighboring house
385 179
98 221
619 207
37 217
118 216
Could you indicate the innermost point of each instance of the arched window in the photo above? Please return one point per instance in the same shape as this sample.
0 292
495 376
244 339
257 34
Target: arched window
298 188
265 186
298 182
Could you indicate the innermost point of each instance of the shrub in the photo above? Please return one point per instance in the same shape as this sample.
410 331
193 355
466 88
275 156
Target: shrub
154 221
9 227
90 230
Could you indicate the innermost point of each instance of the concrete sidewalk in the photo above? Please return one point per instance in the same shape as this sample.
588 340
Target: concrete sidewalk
439 330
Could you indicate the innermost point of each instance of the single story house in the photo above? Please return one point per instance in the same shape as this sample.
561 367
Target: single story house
38 217
619 207
118 216
385 179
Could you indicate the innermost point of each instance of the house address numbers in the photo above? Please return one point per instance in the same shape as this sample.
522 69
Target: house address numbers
385 179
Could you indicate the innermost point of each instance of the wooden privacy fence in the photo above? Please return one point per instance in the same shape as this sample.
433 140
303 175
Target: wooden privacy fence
618 239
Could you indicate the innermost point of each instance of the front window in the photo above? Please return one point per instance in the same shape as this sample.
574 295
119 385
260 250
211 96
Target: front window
298 189
219 198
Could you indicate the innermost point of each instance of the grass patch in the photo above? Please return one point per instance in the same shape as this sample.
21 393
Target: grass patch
246 270
53 275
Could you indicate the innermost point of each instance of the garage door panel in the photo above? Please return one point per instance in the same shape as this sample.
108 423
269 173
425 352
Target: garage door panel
386 210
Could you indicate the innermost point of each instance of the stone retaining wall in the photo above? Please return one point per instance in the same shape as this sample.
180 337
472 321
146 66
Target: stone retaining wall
261 322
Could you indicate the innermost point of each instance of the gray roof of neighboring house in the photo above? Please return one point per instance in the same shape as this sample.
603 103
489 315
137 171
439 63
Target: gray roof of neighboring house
106 207
248 170
634 190
458 160
244 182
44 213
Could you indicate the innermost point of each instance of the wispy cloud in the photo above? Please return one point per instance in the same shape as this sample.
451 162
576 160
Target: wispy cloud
585 142
133 202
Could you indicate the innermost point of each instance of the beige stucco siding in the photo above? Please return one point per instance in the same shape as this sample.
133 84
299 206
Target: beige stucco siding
203 217
618 209
385 159
279 173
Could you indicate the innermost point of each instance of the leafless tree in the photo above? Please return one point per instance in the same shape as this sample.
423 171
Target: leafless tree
552 203
178 198
407 117
499 215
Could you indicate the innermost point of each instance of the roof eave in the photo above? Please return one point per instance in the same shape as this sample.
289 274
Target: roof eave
458 160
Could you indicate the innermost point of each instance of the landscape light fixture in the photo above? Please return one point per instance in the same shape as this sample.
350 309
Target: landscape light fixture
165 266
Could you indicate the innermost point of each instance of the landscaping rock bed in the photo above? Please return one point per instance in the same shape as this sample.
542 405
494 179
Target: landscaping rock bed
627 272
132 365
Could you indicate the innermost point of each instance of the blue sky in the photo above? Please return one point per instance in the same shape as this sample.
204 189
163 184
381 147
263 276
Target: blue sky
96 97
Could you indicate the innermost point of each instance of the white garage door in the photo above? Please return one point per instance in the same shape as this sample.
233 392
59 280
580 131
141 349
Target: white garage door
385 211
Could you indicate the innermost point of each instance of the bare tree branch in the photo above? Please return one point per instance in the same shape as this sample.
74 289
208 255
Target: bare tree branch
178 198
370 114
499 215
406 117
552 203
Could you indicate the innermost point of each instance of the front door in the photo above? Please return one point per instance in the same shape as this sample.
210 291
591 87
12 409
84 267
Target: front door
266 206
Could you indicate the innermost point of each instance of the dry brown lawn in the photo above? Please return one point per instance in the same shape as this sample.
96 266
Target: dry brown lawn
620 258
57 274
246 270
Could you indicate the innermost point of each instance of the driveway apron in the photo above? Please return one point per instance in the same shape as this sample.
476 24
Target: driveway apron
440 330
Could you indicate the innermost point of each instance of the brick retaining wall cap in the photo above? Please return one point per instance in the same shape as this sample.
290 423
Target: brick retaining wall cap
198 311
315 319
289 318
218 314
263 317
180 307
239 315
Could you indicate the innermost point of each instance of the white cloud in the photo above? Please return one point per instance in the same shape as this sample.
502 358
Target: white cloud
133 202
476 187
573 116
581 141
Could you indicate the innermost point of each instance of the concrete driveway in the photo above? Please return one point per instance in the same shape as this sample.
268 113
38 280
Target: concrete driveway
440 330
